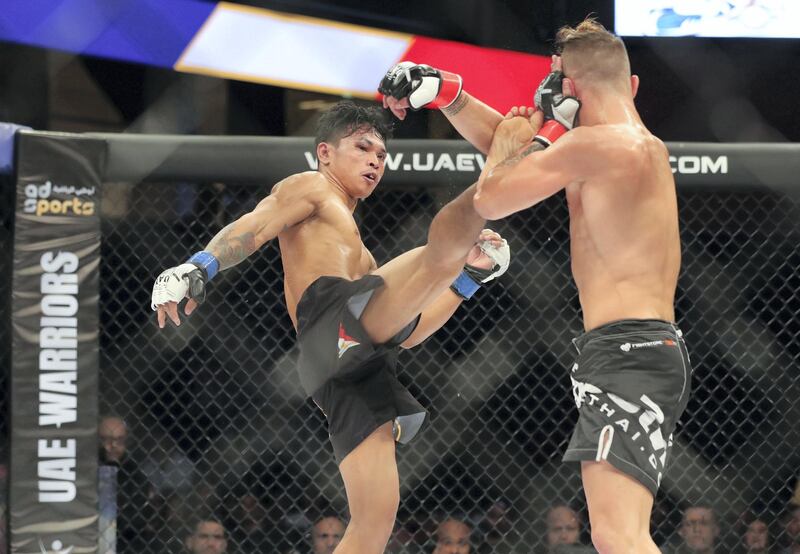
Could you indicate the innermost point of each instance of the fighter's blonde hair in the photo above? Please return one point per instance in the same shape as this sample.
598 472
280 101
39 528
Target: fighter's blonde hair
591 55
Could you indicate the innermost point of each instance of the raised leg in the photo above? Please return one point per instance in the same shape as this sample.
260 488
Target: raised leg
414 279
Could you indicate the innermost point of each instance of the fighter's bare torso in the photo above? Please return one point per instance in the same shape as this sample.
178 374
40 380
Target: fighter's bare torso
327 242
625 246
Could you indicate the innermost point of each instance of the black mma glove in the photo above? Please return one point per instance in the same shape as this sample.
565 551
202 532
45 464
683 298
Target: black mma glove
560 112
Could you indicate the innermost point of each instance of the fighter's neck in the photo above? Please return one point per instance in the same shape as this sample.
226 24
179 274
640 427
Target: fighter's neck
606 110
339 189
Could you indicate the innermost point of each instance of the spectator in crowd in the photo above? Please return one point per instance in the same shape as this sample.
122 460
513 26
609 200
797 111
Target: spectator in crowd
132 486
792 530
207 537
453 537
753 534
113 434
326 533
699 530
564 528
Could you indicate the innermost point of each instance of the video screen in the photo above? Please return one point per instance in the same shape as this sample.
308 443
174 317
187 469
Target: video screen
708 18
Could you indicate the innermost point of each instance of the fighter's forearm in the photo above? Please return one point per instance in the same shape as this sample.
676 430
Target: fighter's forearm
496 197
514 159
434 317
500 162
232 245
474 120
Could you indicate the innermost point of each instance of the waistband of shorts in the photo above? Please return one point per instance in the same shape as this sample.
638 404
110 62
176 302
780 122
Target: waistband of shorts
623 326
327 289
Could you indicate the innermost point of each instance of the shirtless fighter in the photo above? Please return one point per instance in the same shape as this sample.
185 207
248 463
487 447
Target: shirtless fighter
350 314
631 380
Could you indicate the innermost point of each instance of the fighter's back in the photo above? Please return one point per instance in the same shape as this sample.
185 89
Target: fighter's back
325 243
625 243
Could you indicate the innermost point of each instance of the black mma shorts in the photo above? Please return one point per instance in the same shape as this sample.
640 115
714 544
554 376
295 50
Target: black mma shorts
631 383
352 380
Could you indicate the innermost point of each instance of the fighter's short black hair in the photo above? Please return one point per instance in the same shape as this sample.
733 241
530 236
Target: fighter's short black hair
346 118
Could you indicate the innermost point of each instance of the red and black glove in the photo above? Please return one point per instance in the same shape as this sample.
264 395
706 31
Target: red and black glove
560 112
422 85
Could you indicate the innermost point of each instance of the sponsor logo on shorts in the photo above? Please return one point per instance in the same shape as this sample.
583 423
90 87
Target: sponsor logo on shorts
628 346
346 342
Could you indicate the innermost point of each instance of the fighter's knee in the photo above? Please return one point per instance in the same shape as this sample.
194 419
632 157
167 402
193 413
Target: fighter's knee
443 262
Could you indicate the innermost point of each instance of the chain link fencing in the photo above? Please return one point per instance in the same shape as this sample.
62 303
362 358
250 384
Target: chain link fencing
218 427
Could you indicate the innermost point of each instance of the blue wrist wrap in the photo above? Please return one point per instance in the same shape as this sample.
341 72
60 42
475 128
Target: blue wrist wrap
465 286
207 261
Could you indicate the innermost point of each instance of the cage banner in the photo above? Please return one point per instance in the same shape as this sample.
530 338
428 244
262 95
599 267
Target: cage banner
412 163
55 348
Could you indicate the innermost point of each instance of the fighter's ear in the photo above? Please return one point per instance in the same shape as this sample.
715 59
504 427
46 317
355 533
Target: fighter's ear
568 87
324 152
634 84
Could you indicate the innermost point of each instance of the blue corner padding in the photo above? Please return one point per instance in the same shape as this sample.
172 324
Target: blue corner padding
7 132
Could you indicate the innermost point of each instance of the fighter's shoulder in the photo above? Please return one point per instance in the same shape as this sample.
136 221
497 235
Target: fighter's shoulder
621 141
308 184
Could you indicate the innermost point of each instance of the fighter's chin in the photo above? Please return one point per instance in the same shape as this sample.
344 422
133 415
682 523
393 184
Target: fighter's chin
365 187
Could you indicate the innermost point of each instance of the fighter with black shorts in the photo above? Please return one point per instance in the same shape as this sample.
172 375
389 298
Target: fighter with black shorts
351 316
587 139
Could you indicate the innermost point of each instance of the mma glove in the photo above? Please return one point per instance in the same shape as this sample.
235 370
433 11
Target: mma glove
187 280
422 85
471 278
560 112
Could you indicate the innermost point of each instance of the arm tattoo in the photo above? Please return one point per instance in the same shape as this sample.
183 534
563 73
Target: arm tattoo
516 158
231 250
456 106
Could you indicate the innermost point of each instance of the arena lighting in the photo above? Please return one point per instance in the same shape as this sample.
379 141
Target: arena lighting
263 46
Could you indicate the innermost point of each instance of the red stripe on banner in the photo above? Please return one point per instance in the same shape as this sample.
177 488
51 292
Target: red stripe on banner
500 78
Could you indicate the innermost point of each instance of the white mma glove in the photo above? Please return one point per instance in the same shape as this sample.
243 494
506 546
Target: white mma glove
471 278
421 84
179 282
